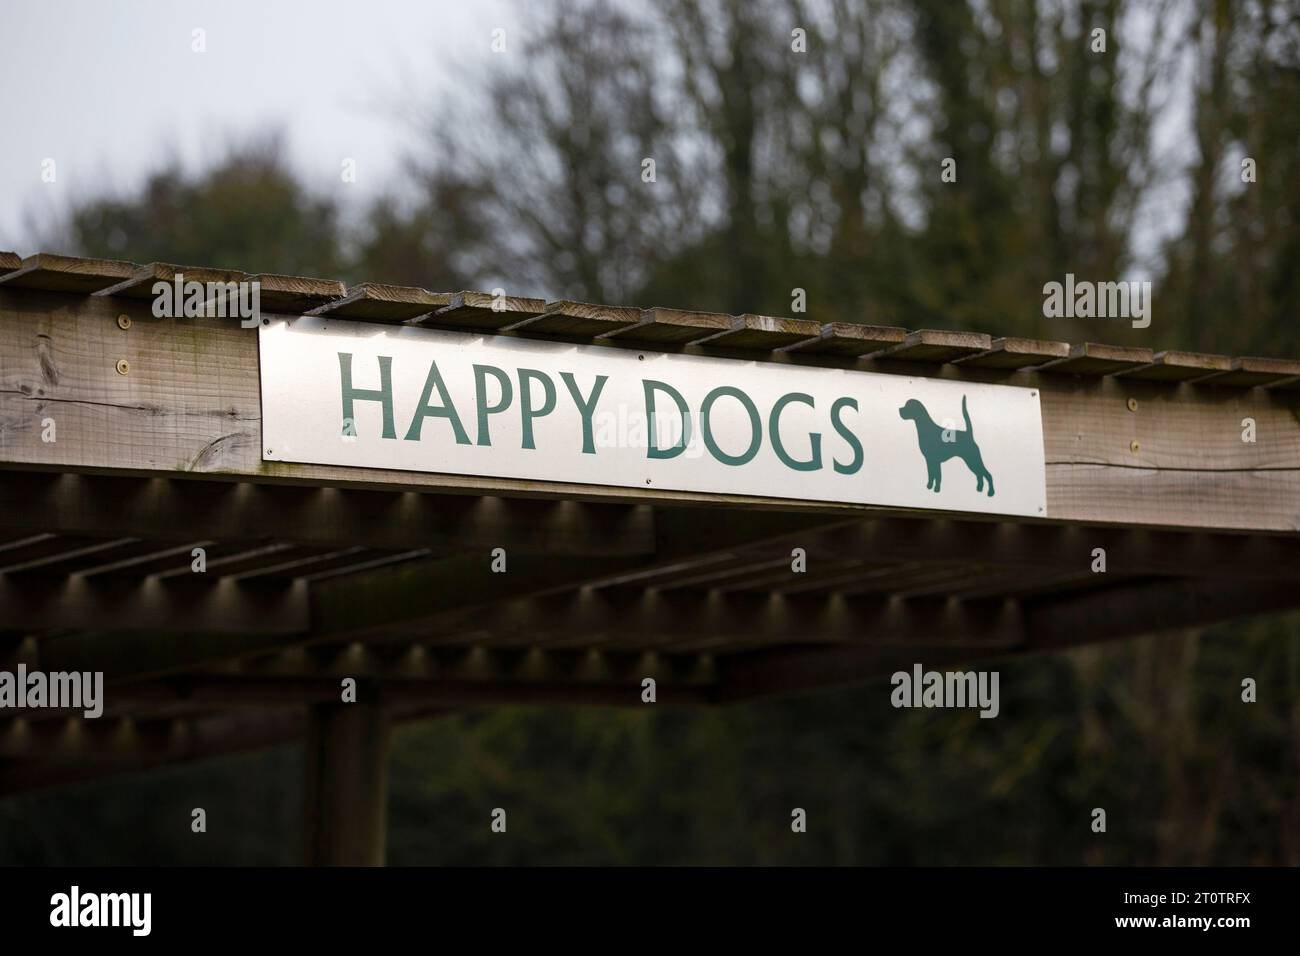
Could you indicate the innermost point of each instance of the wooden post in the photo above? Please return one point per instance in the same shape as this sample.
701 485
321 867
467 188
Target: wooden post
346 776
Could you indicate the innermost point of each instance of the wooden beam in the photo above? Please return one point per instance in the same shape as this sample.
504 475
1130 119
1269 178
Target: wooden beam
167 509
139 285
110 741
1049 625
259 692
346 784
662 327
1090 358
1249 372
1174 366
1178 461
66 273
102 605
295 295
483 311
376 302
762 332
934 345
1014 353
1030 546
577 319
661 618
844 338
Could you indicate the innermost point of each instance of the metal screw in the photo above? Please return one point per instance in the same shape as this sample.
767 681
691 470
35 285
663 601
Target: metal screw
123 322
1132 404
647 481
1135 446
123 366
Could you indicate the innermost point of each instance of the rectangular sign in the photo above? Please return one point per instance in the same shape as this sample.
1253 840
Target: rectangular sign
378 396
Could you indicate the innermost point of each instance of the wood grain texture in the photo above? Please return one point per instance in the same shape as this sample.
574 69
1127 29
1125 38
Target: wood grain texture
763 332
296 295
9 262
376 302
191 404
1176 366
1091 358
1249 372
843 338
577 319
1013 353
482 311
934 345
139 285
660 326
67 273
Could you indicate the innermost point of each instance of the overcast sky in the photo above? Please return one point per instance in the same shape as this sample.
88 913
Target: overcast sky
109 89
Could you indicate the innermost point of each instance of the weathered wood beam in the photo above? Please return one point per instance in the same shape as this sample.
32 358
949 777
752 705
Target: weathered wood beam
1119 450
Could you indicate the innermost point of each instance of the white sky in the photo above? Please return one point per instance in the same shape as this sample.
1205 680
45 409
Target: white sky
111 88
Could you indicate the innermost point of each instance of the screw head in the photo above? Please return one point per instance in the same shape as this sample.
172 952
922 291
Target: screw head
1135 446
123 366
1132 404
123 322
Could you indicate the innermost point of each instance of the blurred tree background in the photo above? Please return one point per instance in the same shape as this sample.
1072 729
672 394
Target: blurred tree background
799 144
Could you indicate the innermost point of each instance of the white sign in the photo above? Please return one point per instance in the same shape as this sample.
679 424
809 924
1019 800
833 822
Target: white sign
400 397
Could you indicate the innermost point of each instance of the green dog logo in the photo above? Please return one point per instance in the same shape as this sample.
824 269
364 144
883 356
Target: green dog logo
939 444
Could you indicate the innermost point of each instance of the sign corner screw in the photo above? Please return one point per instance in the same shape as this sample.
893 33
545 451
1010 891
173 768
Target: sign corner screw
123 322
1132 404
123 366
1135 446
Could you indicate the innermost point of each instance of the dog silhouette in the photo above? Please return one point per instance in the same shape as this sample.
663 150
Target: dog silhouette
937 450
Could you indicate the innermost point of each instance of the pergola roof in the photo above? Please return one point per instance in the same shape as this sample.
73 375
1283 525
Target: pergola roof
316 573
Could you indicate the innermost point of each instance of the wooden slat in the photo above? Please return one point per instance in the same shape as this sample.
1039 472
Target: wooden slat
763 332
67 273
1090 358
935 345
9 261
139 285
296 295
1174 366
42 549
376 302
659 326
1013 353
483 311
844 338
1248 372
582 319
